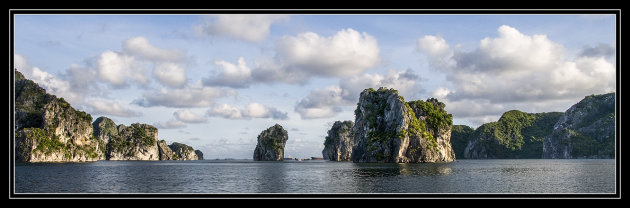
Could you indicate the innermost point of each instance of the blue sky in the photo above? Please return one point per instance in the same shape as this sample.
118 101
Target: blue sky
215 82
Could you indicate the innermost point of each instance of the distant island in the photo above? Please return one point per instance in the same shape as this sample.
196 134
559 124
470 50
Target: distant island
386 128
49 129
585 130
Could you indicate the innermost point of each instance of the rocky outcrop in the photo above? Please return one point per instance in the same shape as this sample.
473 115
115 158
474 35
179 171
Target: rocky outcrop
586 130
48 129
199 154
183 151
166 153
388 129
135 142
271 142
516 135
459 138
339 142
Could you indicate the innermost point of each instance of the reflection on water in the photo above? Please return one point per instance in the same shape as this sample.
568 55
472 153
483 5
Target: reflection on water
270 177
405 169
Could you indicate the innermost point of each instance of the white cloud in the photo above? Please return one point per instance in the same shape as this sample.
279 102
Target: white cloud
170 74
20 63
140 47
599 50
327 102
515 67
346 53
321 103
224 111
299 58
117 68
109 107
440 93
53 85
231 75
182 98
252 28
188 117
516 71
170 124
251 110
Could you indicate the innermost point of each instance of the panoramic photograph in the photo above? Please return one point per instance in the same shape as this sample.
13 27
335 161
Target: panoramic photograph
299 104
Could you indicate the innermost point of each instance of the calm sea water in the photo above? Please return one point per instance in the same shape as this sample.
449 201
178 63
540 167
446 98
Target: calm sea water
212 176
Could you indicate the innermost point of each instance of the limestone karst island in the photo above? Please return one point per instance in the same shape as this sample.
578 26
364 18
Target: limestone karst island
48 129
386 128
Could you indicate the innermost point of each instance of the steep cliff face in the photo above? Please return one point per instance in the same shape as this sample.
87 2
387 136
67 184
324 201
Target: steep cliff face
515 135
586 130
183 151
271 142
48 129
166 153
199 154
459 139
135 142
339 142
388 129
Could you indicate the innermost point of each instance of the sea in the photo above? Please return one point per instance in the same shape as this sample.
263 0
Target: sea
521 176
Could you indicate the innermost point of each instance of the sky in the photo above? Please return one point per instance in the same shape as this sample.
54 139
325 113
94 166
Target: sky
216 81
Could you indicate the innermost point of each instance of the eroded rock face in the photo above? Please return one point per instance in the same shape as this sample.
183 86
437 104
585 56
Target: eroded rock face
48 129
183 151
135 142
199 154
586 130
339 142
271 142
166 153
388 129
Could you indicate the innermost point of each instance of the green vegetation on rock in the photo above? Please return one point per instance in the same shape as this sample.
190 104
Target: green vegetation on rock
516 134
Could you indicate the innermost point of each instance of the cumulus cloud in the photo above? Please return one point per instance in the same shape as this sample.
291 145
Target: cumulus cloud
327 102
231 75
53 84
180 119
321 103
140 47
182 98
251 28
117 68
346 53
121 68
299 58
516 70
252 110
188 117
170 124
515 67
170 74
600 50
109 107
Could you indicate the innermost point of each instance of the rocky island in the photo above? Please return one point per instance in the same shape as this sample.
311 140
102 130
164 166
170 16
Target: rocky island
339 142
388 129
585 130
271 142
49 129
516 135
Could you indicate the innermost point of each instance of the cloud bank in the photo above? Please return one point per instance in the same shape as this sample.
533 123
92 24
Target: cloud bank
516 68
